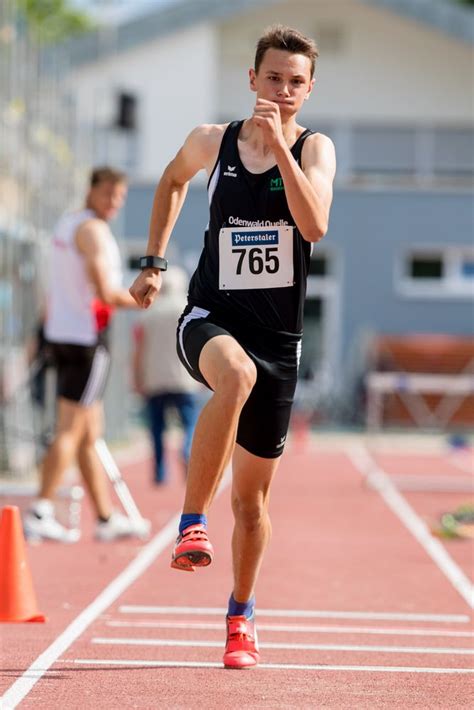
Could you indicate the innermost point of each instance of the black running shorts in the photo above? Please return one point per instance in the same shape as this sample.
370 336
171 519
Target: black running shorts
264 420
82 371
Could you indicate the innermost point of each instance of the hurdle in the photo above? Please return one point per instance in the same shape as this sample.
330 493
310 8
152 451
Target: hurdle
411 388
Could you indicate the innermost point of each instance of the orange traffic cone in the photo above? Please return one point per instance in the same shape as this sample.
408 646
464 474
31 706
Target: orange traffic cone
17 596
300 429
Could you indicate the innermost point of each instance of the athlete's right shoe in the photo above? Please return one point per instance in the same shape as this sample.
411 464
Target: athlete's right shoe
119 526
241 648
192 549
44 526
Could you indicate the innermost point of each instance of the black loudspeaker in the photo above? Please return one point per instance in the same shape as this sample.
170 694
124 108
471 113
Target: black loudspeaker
134 263
126 112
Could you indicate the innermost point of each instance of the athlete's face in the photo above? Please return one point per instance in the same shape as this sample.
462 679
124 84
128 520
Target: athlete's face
107 198
284 78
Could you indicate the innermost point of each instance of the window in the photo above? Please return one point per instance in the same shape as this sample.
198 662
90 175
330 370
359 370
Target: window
436 272
318 266
134 263
467 268
426 267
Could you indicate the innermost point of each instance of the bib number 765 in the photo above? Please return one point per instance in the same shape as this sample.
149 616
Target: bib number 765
259 259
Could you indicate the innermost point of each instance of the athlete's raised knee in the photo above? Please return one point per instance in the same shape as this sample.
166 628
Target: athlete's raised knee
237 379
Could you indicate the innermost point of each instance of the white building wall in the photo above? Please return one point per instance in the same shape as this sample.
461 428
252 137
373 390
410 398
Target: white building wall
374 66
174 79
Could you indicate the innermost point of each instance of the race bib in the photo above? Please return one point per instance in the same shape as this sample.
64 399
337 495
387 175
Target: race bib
255 257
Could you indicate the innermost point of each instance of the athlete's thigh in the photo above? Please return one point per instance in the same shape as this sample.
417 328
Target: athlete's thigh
82 372
219 355
265 417
206 348
251 476
70 417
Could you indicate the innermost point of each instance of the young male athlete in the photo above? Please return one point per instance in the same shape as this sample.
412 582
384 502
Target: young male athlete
270 191
84 288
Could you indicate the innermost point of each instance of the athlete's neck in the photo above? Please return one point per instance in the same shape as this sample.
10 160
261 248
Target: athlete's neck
97 215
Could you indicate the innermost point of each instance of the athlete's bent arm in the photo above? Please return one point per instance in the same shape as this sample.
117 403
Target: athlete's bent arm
90 240
308 189
170 194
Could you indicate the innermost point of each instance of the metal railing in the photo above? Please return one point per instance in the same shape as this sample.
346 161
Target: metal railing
39 176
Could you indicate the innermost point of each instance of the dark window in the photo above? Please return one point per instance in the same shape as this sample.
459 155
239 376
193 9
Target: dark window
313 308
318 266
426 267
126 117
134 262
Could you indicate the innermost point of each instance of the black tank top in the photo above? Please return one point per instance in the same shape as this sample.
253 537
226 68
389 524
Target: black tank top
239 198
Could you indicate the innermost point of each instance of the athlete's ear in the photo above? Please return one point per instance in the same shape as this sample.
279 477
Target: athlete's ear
252 78
310 88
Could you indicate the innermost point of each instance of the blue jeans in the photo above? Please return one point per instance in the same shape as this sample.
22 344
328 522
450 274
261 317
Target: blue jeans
157 406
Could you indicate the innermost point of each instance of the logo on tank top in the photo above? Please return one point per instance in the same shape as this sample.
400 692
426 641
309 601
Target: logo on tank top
276 184
230 172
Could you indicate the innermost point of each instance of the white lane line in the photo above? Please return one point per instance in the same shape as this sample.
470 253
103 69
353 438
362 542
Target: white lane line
362 460
285 628
264 666
463 465
441 484
22 686
285 646
296 613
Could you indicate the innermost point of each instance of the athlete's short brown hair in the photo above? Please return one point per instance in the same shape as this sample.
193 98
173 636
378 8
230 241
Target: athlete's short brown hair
106 174
288 39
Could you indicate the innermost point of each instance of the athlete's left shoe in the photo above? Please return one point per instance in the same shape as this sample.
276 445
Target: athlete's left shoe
241 648
47 527
192 549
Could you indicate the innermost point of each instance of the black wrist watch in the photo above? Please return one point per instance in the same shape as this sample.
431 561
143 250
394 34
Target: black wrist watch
153 262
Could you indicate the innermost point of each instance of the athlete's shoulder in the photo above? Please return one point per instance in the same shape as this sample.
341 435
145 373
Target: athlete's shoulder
319 141
93 225
203 144
90 232
211 129
318 148
208 134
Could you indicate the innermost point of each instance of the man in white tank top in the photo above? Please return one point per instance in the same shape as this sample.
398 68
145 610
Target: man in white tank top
84 289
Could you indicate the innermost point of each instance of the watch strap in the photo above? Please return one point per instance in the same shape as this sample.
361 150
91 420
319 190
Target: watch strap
153 262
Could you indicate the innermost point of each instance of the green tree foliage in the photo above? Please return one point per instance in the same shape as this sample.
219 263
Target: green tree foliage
52 21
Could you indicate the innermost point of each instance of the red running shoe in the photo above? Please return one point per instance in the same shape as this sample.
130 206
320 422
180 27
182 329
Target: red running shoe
192 549
241 649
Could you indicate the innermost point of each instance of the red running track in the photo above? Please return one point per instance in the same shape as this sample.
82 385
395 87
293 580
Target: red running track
351 609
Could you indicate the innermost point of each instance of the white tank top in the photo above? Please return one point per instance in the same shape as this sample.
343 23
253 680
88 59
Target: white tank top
70 314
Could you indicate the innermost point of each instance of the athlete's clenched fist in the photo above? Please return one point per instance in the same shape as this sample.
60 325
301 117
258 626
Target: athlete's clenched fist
146 287
266 115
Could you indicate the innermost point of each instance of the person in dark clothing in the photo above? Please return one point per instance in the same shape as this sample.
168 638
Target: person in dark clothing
270 192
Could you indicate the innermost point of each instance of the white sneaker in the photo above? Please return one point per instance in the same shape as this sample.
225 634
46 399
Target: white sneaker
39 523
119 525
